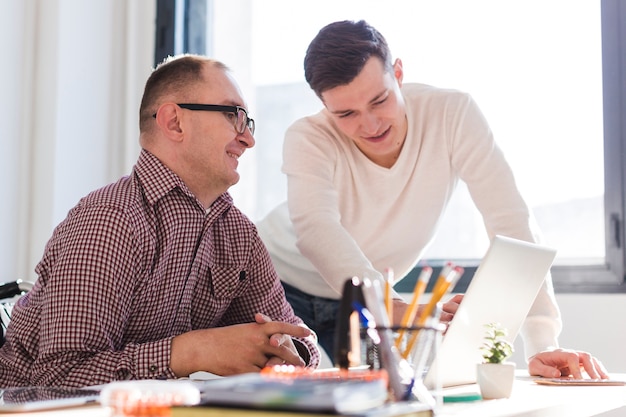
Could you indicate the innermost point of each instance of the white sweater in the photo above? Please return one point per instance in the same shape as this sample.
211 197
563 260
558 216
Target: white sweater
351 217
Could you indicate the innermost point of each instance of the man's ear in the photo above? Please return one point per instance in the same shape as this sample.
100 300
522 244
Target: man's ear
169 121
398 71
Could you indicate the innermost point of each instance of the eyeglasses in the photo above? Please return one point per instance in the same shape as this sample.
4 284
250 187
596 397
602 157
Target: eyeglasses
241 120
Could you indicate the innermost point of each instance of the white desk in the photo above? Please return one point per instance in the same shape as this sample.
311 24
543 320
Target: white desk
531 399
528 400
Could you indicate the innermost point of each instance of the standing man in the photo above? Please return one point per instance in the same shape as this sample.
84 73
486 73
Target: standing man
370 176
158 275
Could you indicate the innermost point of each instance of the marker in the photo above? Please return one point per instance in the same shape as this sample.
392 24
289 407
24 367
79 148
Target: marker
459 398
368 321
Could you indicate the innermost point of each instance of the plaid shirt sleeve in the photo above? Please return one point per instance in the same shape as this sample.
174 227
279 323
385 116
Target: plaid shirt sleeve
86 305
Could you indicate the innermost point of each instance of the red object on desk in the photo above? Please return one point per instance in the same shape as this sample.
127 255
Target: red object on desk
290 371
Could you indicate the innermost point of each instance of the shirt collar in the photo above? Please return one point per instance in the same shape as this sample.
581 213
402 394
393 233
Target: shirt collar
158 180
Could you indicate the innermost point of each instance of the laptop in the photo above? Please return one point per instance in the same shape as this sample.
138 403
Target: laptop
502 290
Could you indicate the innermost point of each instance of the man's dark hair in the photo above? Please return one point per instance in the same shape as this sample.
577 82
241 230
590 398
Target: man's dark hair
339 52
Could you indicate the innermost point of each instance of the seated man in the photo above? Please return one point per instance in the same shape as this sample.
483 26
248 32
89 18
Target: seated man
158 275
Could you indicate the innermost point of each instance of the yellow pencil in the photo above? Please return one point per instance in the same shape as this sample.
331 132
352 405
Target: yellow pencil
411 311
388 291
443 274
444 284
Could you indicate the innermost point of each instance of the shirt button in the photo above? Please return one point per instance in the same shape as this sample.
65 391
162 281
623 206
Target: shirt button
153 368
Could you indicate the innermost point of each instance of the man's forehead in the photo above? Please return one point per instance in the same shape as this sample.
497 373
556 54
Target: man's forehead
221 87
345 98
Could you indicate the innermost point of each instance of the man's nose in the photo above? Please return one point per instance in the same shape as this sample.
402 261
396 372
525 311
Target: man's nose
246 138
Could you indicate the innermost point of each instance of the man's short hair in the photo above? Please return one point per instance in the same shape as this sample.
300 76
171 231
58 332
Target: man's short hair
339 52
175 75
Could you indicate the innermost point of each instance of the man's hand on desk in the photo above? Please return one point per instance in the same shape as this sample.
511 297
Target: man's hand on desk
279 340
236 349
566 362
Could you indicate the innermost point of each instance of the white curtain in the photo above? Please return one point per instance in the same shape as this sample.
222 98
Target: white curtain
73 74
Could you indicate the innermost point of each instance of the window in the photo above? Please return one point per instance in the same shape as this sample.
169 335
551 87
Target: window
546 75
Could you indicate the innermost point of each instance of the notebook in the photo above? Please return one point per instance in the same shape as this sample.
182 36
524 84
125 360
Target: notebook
26 399
502 290
331 392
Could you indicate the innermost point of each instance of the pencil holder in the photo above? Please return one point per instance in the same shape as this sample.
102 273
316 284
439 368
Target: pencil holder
413 350
418 344
416 347
370 356
364 338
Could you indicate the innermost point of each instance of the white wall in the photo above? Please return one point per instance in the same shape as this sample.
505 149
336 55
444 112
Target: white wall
70 106
596 323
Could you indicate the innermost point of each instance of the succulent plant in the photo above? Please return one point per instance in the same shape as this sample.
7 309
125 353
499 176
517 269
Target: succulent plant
496 349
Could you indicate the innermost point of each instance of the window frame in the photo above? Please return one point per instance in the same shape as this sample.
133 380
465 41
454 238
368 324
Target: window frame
179 29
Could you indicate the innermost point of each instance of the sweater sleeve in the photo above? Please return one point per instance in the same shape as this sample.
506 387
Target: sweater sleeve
482 165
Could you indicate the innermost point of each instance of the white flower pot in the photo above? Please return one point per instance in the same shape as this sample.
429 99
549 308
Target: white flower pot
495 379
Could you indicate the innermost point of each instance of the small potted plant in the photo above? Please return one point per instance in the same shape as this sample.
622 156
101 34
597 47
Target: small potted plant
495 375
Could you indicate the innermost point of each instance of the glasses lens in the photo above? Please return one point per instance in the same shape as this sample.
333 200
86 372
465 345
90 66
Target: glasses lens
243 121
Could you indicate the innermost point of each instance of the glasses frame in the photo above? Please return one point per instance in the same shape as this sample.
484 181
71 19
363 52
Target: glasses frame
236 110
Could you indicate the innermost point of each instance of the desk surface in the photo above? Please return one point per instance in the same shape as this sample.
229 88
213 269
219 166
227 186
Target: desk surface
528 399
531 399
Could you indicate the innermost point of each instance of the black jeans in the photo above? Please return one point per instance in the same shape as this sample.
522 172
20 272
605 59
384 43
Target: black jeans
318 313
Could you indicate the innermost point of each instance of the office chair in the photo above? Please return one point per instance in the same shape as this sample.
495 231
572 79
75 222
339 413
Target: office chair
9 293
